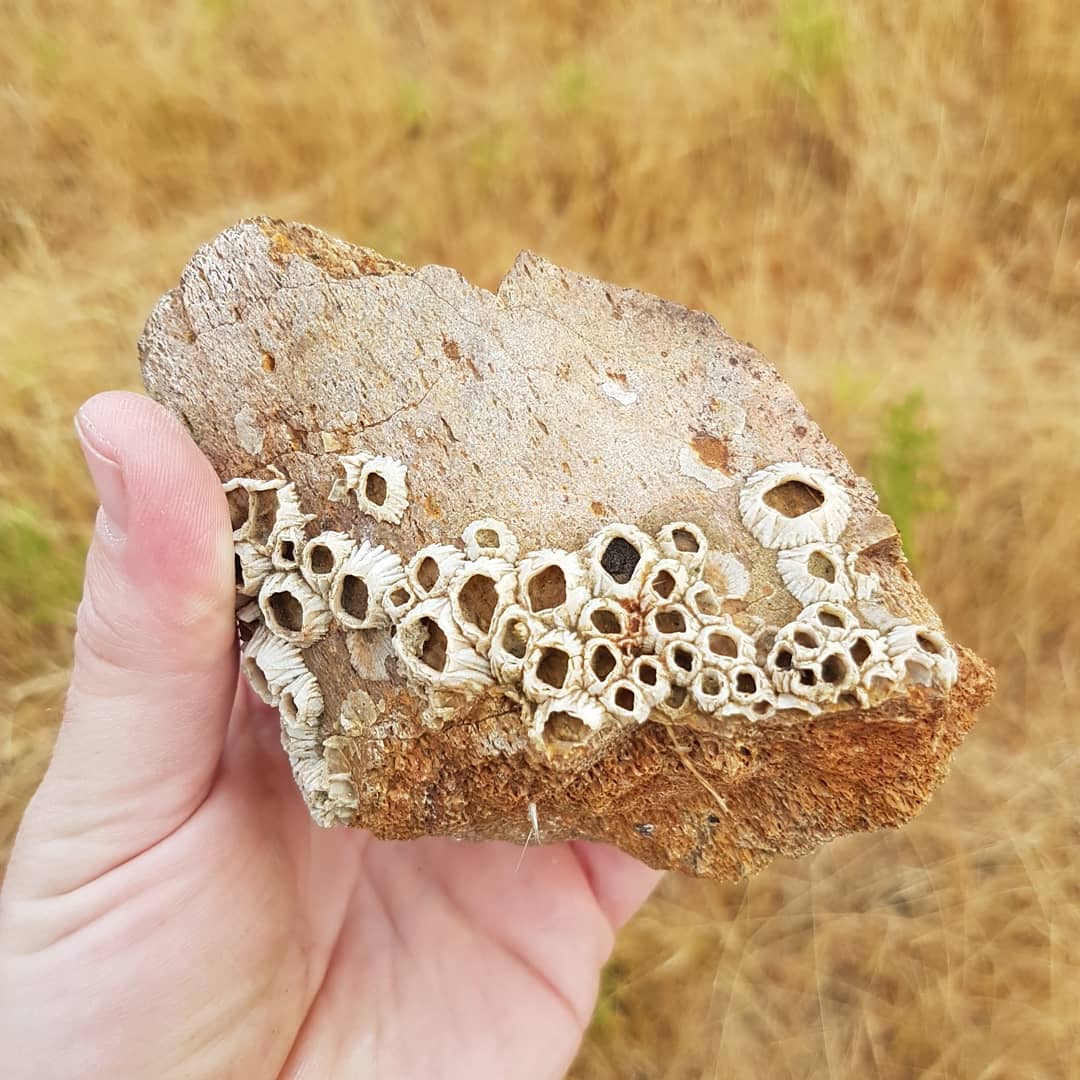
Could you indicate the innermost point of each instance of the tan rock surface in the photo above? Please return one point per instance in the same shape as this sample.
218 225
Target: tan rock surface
764 673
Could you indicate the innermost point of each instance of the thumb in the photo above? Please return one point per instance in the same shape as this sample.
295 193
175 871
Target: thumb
155 669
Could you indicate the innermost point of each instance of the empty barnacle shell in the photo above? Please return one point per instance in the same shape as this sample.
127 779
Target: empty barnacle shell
564 723
270 664
253 508
710 689
322 557
378 482
360 585
665 582
723 643
553 664
619 558
483 675
490 538
604 617
551 585
252 566
787 505
626 701
669 622
432 568
293 610
479 593
815 572
434 651
514 630
602 661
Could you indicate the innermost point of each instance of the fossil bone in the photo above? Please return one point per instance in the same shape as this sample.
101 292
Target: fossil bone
602 597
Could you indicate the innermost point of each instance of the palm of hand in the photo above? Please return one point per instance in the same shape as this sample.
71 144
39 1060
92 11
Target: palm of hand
183 916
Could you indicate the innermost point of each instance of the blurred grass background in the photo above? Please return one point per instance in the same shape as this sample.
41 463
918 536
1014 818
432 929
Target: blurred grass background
884 196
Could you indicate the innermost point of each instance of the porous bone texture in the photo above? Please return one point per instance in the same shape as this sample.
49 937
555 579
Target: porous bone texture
563 559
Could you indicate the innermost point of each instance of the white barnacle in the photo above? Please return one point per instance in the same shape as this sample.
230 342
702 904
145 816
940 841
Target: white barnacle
750 692
553 664
710 689
665 583
727 574
252 566
253 508
834 620
876 673
868 585
603 617
788 505
650 676
322 558
432 568
270 664
678 704
398 600
602 661
551 584
703 601
684 541
301 704
816 572
619 558
922 656
479 593
287 538
564 723
293 610
625 701
683 661
362 581
722 643
514 630
669 622
434 651
378 482
490 538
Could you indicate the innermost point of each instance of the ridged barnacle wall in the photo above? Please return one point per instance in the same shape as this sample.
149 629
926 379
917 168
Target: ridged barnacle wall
585 643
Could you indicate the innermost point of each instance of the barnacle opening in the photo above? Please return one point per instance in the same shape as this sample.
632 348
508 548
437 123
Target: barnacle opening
684 540
663 584
860 650
427 573
320 558
547 589
478 599
793 498
820 565
722 644
670 620
431 644
514 639
553 666
602 661
262 513
375 488
564 729
355 597
239 506
286 611
620 559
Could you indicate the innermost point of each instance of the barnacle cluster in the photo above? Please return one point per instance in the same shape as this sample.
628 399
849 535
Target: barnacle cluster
629 627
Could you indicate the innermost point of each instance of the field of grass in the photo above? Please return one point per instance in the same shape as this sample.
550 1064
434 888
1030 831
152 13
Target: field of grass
882 195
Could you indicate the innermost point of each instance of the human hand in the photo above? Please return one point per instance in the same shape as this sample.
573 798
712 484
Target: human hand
170 909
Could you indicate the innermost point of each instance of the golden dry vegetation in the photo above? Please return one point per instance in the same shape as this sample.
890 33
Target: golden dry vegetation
884 196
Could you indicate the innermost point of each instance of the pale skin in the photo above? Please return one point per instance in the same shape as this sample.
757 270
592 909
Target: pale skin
169 908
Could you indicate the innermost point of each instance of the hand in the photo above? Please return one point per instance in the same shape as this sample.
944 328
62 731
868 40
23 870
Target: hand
169 908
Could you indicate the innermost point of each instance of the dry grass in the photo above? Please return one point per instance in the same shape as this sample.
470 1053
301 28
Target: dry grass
882 195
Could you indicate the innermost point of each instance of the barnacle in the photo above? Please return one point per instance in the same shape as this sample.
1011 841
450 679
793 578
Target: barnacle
252 566
564 723
434 651
398 600
603 616
479 592
301 703
490 538
618 559
553 664
816 572
921 656
432 568
710 689
722 643
650 675
293 609
626 701
270 664
684 541
835 621
665 583
788 505
253 508
683 661
602 661
727 574
514 629
322 558
378 483
362 581
750 692
551 584
669 622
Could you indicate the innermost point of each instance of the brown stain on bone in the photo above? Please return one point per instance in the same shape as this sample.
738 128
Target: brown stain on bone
712 451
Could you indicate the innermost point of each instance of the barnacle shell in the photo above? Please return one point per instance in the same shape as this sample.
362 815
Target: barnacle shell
773 528
378 482
361 584
292 609
545 634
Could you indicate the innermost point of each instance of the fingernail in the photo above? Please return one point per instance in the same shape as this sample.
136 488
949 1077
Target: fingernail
106 474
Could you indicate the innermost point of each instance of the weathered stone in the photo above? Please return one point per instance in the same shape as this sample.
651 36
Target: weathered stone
563 559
